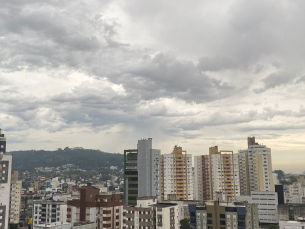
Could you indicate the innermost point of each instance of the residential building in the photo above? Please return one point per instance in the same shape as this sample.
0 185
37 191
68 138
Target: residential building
294 193
5 183
202 177
79 225
141 166
255 168
301 179
106 209
183 206
224 172
267 203
291 224
291 211
16 186
148 169
176 173
48 211
150 214
224 215
130 176
215 173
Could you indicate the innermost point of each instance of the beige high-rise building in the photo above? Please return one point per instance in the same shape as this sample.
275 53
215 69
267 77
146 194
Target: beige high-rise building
255 168
176 175
16 186
217 175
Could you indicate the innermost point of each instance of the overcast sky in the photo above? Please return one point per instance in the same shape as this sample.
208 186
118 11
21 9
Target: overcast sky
102 74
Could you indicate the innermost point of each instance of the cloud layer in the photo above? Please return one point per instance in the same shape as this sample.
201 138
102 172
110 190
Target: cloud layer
175 71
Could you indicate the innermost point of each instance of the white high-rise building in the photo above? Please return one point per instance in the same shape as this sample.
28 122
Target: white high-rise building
255 168
5 183
149 178
176 173
224 171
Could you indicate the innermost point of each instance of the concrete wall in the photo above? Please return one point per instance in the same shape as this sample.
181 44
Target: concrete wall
5 184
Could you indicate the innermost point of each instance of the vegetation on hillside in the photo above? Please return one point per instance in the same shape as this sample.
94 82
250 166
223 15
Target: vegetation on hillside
86 159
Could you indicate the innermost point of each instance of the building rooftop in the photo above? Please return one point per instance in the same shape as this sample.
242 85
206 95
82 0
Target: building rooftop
163 205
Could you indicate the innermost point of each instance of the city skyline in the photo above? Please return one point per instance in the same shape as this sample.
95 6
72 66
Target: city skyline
95 73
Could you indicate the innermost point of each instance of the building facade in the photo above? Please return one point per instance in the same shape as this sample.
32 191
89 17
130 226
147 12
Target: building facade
5 183
48 212
130 176
224 171
142 165
267 203
202 177
212 215
149 169
16 186
176 175
291 211
151 215
294 193
255 168
215 173
102 208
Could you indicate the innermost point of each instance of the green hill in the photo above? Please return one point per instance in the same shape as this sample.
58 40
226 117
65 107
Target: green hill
87 159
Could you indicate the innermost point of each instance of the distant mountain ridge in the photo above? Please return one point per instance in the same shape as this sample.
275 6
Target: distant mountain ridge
87 159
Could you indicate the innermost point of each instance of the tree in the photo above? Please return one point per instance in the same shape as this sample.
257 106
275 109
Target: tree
185 221
280 174
293 179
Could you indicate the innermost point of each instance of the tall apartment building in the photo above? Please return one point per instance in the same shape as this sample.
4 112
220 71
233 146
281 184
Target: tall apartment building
215 173
176 173
102 208
130 176
16 186
142 166
202 177
212 215
5 183
255 168
149 169
150 214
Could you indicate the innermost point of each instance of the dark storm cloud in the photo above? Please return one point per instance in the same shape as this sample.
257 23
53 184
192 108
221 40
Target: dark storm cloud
163 76
274 80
